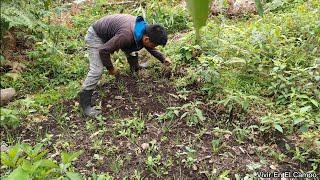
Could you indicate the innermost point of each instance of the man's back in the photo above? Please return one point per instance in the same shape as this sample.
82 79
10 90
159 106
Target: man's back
110 25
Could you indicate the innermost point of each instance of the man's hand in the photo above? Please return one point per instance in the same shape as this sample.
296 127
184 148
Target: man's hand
167 62
113 72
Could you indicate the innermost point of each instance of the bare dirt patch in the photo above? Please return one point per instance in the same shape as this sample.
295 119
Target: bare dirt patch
129 95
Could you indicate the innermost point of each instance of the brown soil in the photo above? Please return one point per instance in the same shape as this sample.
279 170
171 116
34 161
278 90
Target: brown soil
145 98
14 50
130 95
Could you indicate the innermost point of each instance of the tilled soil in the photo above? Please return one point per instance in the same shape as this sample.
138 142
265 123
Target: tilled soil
129 95
164 149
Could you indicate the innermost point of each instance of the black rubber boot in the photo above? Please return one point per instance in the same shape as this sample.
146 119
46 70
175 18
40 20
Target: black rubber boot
134 64
85 103
133 60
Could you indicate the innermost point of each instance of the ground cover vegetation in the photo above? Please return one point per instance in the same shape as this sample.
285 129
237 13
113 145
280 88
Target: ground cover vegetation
243 101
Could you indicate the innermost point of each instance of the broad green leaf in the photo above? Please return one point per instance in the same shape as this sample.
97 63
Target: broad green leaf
69 157
176 112
259 7
264 128
184 115
11 157
74 176
34 153
104 177
94 176
305 109
26 148
14 76
303 96
298 120
278 127
236 60
14 151
225 101
287 147
314 102
238 177
199 114
28 167
304 128
48 163
5 159
188 55
20 174
199 10
40 155
37 149
245 104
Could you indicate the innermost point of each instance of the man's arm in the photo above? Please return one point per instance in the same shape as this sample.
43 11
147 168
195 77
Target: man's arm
157 54
114 44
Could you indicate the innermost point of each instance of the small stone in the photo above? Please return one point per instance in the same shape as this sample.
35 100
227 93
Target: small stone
273 167
7 95
138 151
251 152
118 98
236 151
194 167
145 146
4 148
204 172
227 136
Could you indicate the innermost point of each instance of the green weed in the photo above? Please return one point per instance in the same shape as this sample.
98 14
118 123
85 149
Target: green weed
26 161
130 128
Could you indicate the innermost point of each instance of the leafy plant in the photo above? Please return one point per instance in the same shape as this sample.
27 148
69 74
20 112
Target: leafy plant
103 176
189 112
277 155
155 162
241 134
216 146
117 164
192 113
130 128
300 155
9 118
28 162
13 16
190 53
191 157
